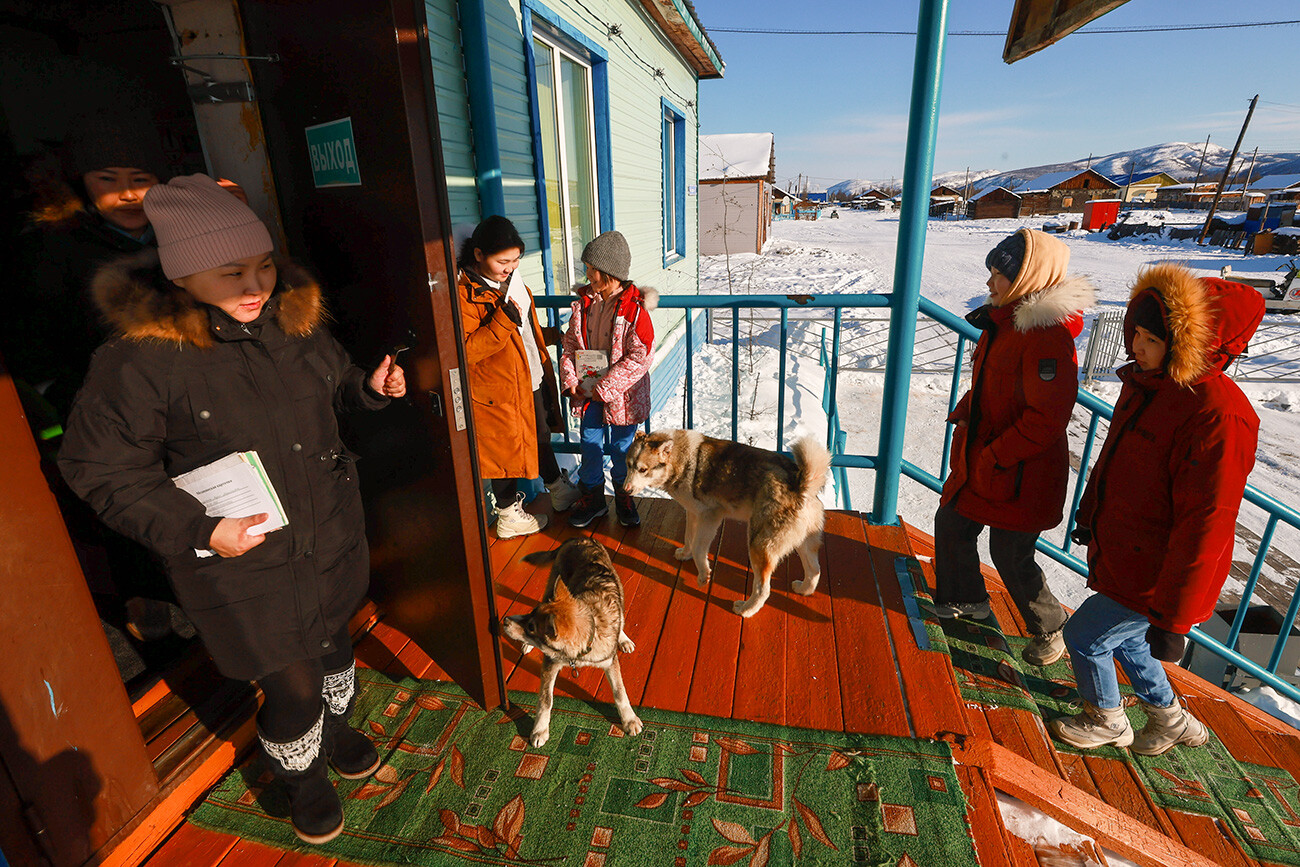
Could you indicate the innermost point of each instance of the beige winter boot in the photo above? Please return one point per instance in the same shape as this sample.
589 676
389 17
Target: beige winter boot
1167 727
1094 727
1044 649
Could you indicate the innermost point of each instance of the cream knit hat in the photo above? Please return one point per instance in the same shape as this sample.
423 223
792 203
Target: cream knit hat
200 225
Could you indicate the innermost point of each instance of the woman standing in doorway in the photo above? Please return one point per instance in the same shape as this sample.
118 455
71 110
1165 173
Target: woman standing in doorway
221 349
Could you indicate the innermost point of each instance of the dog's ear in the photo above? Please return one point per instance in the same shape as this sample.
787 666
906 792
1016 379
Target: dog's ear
544 624
640 435
562 591
666 448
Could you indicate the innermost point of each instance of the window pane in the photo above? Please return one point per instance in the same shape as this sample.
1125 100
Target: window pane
575 90
669 181
546 104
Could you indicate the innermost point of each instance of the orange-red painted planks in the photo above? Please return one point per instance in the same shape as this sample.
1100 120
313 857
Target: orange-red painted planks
812 676
714 682
870 692
929 686
192 846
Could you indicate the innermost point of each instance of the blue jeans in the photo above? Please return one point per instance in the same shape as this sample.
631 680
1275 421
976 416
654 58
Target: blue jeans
591 472
1099 633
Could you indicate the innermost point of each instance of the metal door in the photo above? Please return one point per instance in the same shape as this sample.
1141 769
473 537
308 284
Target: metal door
379 243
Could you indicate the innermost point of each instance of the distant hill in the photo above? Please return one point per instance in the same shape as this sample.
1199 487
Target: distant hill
1178 159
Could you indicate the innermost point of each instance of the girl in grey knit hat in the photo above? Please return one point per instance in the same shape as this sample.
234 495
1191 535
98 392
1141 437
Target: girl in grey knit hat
605 371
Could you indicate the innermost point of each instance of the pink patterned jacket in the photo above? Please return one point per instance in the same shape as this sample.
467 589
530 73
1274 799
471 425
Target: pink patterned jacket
625 388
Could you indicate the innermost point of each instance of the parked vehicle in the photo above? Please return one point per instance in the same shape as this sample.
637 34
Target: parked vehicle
1281 292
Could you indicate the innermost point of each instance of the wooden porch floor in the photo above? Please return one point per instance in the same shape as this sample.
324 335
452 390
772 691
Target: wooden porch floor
845 659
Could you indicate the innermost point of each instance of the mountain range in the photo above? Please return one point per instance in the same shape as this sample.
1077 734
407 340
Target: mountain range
1181 160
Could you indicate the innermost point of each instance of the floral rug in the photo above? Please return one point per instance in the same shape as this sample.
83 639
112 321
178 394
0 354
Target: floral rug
461 785
1257 804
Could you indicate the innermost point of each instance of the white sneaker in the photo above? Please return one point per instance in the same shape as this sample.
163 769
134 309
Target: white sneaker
514 521
564 493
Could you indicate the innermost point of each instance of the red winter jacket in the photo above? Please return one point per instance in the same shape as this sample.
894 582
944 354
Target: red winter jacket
1010 460
624 390
1162 501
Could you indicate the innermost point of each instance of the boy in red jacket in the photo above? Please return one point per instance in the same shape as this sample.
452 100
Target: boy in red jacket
1160 510
1010 458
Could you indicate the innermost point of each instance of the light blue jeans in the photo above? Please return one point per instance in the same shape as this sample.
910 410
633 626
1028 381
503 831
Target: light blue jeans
591 472
1101 632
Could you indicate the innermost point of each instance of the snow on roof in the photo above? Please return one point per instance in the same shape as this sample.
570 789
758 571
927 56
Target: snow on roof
1146 176
1043 183
984 192
736 155
1275 182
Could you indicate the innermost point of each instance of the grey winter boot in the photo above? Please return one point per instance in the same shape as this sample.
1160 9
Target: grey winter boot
1167 727
314 807
1044 649
1094 727
351 753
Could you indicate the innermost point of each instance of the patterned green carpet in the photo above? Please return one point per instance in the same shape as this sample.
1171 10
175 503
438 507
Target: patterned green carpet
460 785
1258 805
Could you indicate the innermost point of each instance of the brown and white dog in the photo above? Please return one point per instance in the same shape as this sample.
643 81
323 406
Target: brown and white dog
579 623
716 479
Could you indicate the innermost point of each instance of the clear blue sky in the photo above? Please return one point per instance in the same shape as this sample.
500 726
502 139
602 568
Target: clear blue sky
838 104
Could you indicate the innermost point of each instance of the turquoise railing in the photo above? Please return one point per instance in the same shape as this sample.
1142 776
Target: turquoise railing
1097 410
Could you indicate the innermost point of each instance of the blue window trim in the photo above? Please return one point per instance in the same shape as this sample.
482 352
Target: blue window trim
678 192
599 60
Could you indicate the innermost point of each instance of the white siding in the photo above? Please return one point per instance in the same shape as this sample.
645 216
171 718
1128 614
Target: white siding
730 217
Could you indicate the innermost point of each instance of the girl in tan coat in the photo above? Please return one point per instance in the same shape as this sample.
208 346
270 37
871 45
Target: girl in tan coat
511 378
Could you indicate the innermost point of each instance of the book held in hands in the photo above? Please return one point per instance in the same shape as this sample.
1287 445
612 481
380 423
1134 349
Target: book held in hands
235 486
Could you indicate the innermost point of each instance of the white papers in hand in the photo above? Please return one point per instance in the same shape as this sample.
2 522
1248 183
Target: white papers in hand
235 486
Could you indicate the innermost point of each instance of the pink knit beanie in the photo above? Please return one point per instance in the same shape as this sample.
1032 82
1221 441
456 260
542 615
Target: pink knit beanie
200 225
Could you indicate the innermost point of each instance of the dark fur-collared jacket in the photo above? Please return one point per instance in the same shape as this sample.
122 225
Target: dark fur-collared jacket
1010 457
1162 501
52 327
183 385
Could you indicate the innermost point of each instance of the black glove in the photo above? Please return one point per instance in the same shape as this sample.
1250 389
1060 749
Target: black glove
1165 645
1081 535
511 310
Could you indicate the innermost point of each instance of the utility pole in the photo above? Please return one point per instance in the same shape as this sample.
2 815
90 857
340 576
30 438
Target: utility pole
1089 165
1226 170
1128 192
1244 187
1200 165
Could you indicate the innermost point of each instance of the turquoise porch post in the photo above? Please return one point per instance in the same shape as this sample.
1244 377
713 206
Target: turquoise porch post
922 127
482 106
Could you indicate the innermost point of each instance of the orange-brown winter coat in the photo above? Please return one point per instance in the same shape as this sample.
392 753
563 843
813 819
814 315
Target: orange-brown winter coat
502 395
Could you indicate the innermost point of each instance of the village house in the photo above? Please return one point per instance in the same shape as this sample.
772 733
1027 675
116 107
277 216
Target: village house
570 117
1064 192
1143 187
737 171
993 202
945 200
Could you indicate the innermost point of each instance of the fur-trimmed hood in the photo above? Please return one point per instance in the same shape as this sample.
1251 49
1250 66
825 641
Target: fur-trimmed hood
1210 321
1058 304
139 303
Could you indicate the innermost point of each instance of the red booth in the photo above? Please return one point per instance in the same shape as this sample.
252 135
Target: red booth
1100 213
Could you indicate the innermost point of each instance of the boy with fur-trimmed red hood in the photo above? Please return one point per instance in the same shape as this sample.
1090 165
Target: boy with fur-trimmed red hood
1160 509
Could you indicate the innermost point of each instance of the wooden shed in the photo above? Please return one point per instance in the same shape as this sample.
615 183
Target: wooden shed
737 171
993 202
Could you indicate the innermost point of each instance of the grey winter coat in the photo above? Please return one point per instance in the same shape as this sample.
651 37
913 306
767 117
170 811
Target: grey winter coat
183 385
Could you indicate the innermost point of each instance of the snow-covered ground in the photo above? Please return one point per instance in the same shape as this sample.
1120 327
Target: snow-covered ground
855 254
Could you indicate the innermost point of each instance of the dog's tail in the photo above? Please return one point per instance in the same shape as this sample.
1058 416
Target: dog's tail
814 465
537 558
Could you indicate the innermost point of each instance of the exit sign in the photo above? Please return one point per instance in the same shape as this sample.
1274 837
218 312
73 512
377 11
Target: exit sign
333 153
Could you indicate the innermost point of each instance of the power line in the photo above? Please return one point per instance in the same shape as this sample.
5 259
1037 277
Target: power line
1167 28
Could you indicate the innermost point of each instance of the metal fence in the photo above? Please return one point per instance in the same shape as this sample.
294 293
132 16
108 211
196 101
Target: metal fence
1273 356
791 330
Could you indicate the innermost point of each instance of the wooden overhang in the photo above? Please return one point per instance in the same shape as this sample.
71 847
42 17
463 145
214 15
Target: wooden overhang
1036 24
678 21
